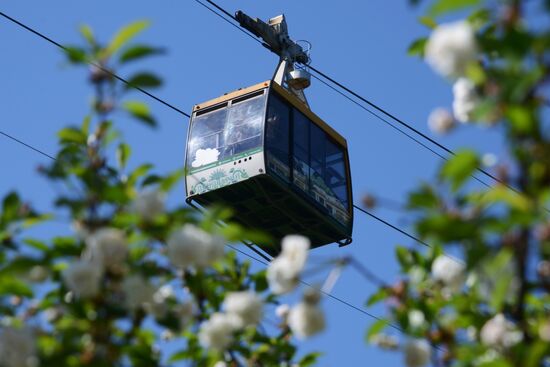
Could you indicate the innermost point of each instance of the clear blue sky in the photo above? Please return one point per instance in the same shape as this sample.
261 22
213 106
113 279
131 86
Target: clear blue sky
360 43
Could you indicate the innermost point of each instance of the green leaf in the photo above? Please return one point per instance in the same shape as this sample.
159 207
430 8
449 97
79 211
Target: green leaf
138 172
521 118
140 111
424 197
404 256
144 80
37 244
380 295
168 182
498 269
88 35
502 194
475 73
85 127
479 18
19 265
428 22
72 135
441 7
122 154
459 167
76 55
151 180
375 329
260 281
138 52
14 287
417 47
124 35
10 207
309 359
35 219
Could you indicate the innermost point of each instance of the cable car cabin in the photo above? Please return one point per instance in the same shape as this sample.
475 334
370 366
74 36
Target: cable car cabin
262 152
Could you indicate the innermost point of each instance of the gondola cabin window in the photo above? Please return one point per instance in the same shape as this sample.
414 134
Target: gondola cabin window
315 164
277 138
223 132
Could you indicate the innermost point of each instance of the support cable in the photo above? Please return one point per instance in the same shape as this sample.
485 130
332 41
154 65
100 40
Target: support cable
100 67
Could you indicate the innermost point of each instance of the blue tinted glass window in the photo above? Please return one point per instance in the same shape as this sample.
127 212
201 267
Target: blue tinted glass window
244 128
277 137
206 139
336 179
320 167
301 166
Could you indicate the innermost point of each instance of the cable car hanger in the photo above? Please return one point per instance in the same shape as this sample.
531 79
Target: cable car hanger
274 33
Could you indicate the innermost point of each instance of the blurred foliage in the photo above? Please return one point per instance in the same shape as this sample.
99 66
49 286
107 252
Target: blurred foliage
501 232
100 185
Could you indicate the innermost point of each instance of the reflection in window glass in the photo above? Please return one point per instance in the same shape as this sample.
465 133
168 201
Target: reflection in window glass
320 167
244 126
301 151
335 175
220 134
277 137
206 141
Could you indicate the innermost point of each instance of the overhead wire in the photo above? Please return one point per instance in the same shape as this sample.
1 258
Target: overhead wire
95 64
368 102
26 145
163 102
41 35
264 262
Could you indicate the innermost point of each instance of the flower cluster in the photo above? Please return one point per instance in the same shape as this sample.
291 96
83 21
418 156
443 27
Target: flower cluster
450 50
284 271
242 309
190 246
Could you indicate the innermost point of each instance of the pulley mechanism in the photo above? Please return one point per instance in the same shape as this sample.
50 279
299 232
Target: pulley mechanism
274 33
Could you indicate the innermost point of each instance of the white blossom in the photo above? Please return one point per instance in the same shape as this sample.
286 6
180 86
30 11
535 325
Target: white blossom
282 276
149 204
191 246
417 353
306 320
450 48
448 271
282 311
80 230
544 331
220 364
441 121
137 291
489 160
295 248
83 278
217 332
465 100
416 319
487 279
167 335
108 246
185 312
246 306
471 333
416 275
163 293
385 341
500 332
284 271
17 348
38 273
